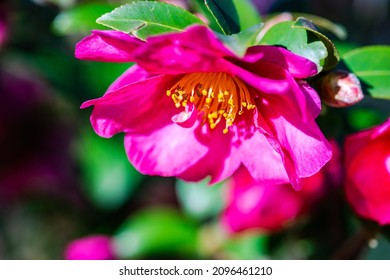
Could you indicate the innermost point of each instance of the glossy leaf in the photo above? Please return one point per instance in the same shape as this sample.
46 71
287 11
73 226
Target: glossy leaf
295 40
80 19
225 14
333 56
156 232
199 200
109 177
324 24
372 66
240 42
146 18
248 15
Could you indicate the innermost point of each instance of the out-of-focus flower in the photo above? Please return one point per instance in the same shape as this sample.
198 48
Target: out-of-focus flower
340 89
268 207
34 140
367 164
191 108
272 207
3 23
94 247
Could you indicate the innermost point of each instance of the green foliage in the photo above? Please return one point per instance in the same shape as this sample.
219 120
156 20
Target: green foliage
247 246
225 15
372 66
80 19
109 177
156 232
240 42
333 56
145 18
199 200
248 15
297 41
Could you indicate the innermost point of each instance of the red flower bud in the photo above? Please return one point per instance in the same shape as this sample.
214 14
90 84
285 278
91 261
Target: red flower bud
340 89
368 173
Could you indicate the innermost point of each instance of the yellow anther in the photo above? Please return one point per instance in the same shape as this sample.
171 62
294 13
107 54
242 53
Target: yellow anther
217 97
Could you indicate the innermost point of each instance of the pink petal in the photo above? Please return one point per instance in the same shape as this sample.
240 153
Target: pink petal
297 66
109 46
133 107
221 160
167 151
196 49
264 164
302 145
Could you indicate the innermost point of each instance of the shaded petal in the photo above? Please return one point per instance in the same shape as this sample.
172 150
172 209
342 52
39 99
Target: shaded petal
108 45
221 160
132 75
302 145
167 151
133 107
263 162
297 66
196 49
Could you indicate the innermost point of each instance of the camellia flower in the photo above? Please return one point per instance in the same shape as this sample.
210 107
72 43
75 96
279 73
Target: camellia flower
367 164
251 205
95 247
191 108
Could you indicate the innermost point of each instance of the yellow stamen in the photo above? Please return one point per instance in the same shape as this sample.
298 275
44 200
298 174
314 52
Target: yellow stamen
218 95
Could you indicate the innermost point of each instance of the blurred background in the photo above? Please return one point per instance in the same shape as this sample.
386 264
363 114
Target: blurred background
67 193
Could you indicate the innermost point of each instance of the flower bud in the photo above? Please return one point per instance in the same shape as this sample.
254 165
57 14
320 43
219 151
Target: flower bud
367 164
340 89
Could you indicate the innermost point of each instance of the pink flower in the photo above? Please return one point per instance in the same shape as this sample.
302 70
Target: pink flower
367 164
272 207
268 207
95 247
191 108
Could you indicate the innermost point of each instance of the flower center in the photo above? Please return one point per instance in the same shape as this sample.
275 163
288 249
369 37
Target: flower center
218 95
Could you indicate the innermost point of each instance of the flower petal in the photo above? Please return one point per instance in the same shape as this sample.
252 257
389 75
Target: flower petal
262 161
302 145
196 49
297 66
221 160
109 46
167 151
130 109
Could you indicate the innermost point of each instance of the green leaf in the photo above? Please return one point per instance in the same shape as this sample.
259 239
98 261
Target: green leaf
156 232
333 56
247 246
372 66
248 15
80 19
324 24
109 177
225 14
240 42
200 200
295 40
146 18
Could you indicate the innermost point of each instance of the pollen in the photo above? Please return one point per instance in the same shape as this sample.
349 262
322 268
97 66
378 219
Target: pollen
219 96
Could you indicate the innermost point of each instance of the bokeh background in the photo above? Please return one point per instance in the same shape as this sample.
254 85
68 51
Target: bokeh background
67 193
